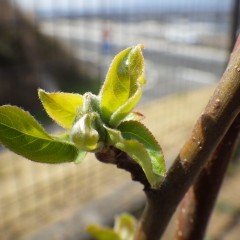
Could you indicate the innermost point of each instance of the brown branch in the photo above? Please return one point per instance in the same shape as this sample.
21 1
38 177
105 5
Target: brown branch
115 156
199 201
208 132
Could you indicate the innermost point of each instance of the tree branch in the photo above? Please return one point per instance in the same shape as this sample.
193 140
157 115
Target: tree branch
115 156
199 201
208 132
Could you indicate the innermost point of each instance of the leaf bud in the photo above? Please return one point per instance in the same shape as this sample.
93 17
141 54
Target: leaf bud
84 135
90 103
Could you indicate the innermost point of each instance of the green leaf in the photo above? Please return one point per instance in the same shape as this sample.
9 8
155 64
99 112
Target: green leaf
123 111
66 137
101 233
122 88
22 134
136 151
125 226
137 131
124 229
61 107
80 157
136 116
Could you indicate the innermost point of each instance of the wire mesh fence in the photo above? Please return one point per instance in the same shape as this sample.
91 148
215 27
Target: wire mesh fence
68 45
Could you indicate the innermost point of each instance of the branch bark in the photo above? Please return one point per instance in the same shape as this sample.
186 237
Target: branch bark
198 203
208 132
112 155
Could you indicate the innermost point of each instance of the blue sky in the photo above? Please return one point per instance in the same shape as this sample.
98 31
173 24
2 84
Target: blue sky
64 5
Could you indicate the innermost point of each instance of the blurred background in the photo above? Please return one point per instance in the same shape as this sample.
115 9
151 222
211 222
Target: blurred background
67 45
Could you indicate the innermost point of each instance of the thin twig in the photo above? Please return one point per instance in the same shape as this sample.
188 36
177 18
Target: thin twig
113 155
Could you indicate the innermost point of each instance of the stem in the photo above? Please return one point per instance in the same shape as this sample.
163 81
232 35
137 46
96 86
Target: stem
199 201
234 23
208 132
115 156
